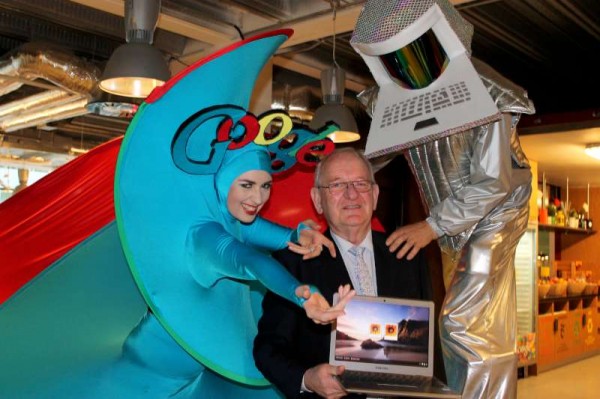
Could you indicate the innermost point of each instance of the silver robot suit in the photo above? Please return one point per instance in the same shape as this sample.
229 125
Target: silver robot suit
476 184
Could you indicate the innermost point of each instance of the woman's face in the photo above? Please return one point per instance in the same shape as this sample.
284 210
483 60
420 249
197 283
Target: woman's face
248 193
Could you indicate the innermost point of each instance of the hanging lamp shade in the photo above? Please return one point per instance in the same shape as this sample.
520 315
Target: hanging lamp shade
341 116
333 108
136 68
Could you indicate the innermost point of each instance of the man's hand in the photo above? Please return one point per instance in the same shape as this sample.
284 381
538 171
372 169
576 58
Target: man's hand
321 380
410 239
311 242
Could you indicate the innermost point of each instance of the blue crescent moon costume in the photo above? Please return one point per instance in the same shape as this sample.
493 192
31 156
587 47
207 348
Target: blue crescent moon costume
201 273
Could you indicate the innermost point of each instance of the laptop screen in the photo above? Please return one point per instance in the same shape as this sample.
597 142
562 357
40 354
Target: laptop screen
384 334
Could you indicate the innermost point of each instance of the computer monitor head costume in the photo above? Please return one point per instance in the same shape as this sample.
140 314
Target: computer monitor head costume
454 119
418 52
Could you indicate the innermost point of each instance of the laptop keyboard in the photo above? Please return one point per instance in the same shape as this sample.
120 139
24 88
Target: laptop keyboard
357 377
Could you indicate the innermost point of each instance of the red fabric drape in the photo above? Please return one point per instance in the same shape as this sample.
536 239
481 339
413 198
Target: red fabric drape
41 223
290 201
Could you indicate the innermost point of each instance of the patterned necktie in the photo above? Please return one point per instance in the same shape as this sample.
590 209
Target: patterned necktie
365 282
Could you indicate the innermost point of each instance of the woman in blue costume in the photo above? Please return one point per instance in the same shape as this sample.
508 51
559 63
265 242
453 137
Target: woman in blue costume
224 256
192 174
196 264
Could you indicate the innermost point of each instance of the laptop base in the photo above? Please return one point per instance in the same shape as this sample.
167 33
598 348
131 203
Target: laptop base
433 388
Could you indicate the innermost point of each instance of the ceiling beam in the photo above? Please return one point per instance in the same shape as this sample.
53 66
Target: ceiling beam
319 26
306 29
166 22
353 83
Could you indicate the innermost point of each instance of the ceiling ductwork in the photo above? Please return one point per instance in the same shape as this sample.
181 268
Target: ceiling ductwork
31 62
64 83
299 102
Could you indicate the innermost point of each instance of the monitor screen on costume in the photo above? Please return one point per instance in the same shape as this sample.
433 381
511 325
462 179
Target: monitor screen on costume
418 64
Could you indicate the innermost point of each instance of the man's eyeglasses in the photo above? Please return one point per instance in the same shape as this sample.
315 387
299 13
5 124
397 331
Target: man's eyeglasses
362 186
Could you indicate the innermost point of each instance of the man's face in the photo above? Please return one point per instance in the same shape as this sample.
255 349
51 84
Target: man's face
348 211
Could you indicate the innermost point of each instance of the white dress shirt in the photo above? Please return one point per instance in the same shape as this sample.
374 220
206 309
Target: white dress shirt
350 262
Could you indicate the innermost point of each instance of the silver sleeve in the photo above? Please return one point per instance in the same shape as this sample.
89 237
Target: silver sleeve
490 181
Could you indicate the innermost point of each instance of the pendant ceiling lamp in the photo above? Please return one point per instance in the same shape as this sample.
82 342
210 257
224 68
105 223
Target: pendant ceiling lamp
136 68
333 109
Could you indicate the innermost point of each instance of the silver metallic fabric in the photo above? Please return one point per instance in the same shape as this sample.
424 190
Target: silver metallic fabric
483 214
478 317
459 179
476 185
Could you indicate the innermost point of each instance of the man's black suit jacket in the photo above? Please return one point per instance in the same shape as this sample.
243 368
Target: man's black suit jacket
288 343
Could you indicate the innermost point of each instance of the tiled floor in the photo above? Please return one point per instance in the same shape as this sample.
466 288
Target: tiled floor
579 380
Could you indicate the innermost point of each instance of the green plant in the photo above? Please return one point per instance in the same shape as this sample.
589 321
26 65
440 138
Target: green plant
573 214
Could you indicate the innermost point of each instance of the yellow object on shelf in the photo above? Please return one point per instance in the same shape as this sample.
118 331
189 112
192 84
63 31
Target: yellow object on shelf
545 271
560 218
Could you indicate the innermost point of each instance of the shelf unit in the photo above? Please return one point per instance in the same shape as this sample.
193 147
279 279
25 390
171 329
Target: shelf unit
568 327
551 238
569 330
565 229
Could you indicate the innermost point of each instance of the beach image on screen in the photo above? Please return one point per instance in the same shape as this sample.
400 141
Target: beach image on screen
383 333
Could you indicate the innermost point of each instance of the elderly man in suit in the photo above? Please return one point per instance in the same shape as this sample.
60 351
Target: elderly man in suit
290 350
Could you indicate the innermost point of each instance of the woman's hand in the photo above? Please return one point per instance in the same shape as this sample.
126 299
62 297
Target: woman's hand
318 309
311 242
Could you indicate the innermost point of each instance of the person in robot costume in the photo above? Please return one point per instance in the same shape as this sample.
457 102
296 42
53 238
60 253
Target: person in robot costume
475 181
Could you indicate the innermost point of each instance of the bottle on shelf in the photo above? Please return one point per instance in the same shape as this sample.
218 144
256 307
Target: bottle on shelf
543 215
544 261
582 221
560 217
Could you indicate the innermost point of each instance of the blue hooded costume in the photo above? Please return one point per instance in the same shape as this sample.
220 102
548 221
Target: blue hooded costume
205 305
184 325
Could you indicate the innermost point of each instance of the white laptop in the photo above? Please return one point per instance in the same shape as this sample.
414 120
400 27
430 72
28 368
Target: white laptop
386 346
